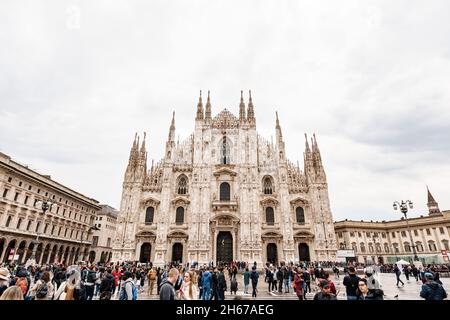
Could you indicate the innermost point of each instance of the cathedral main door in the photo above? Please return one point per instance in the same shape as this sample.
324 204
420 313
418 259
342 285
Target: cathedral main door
272 254
224 247
177 252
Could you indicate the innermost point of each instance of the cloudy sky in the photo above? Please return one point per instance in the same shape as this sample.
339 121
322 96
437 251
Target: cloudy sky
370 78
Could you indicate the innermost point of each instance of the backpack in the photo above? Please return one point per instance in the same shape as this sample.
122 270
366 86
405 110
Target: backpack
42 291
123 293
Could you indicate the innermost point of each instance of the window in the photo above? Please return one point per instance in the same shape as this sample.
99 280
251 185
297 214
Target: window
182 185
39 190
378 247
71 233
432 246
20 183
362 246
46 194
416 233
393 234
270 217
300 215
225 152
65 232
267 185
64 212
352 234
386 247
45 228
428 232
441 230
445 244
19 223
371 247
108 242
57 210
53 229
359 234
8 221
26 200
403 233
224 191
16 196
339 234
354 247
78 232
37 226
407 247
29 188
419 246
95 241
368 234
179 217
9 179
149 215
383 235
395 245
29 225
99 225
59 231
100 218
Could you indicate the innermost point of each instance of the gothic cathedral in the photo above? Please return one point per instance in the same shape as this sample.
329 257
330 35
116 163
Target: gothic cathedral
224 194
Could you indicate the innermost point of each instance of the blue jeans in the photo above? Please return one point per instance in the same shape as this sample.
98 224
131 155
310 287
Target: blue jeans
286 285
351 298
206 293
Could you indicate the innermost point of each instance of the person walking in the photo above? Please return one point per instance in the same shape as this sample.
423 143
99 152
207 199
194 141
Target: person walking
167 291
397 274
306 282
269 278
152 275
254 277
107 285
128 289
415 272
351 283
246 276
221 285
431 290
206 284
298 284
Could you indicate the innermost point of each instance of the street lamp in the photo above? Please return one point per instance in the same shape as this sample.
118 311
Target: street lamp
404 209
45 205
95 228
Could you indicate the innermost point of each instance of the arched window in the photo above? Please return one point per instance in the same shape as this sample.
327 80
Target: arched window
225 152
224 191
419 246
395 245
149 214
407 247
270 217
179 218
267 186
370 247
182 185
354 247
300 215
432 246
362 246
386 247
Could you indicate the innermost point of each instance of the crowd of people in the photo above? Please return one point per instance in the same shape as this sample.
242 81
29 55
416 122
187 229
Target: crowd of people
177 281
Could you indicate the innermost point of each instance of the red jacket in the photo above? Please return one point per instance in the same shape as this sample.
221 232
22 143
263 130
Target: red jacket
117 274
298 285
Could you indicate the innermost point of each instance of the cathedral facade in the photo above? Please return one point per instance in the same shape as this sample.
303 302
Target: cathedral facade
224 194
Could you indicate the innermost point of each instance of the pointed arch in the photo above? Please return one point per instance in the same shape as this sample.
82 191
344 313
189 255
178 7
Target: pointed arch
182 185
225 150
268 187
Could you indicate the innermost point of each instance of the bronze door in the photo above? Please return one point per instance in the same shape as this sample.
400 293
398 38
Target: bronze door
224 247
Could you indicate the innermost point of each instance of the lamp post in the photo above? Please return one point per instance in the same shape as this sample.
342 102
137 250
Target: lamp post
45 205
404 209
87 236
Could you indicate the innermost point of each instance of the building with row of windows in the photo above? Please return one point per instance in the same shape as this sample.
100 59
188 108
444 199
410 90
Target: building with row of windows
224 194
105 223
62 234
389 241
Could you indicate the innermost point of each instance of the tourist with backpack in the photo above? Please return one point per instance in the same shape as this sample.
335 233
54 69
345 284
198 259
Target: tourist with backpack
89 279
43 288
128 289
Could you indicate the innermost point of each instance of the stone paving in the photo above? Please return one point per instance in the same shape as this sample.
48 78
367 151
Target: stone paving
410 291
